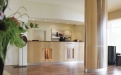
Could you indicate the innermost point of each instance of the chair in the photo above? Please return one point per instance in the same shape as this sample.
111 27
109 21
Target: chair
118 59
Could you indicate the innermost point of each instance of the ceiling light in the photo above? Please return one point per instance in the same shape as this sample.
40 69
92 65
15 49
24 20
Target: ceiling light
45 20
32 19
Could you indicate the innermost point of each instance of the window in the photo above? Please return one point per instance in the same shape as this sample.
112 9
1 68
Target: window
114 34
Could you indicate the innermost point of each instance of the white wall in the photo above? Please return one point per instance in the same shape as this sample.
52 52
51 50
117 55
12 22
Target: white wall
80 32
12 55
77 31
13 5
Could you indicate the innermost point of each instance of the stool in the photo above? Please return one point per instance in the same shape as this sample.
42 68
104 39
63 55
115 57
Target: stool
118 60
118 54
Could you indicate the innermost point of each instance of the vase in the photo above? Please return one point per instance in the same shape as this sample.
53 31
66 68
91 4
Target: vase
1 62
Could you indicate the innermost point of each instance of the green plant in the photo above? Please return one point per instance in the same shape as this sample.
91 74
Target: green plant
11 28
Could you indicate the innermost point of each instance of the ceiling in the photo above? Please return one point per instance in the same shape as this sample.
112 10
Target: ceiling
73 3
112 6
70 22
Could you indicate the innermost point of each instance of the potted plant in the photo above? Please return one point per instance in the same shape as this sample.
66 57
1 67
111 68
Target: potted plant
10 30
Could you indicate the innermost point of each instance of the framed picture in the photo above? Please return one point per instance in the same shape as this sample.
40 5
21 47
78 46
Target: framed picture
56 33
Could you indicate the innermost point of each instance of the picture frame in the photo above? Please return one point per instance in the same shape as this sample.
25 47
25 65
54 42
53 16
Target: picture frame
56 33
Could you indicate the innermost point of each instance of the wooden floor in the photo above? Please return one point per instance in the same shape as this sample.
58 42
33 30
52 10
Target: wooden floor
59 69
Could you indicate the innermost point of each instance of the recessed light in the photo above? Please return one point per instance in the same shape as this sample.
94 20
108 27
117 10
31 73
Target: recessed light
32 19
45 20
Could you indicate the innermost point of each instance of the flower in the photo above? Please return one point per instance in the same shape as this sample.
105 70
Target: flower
1 15
15 20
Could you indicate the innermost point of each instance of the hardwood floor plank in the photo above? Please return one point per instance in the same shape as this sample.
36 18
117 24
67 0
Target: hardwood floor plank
59 69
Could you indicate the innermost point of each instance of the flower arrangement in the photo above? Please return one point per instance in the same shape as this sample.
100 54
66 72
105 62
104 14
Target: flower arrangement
11 28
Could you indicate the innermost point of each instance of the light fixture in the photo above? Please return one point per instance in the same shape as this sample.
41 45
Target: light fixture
32 19
45 20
